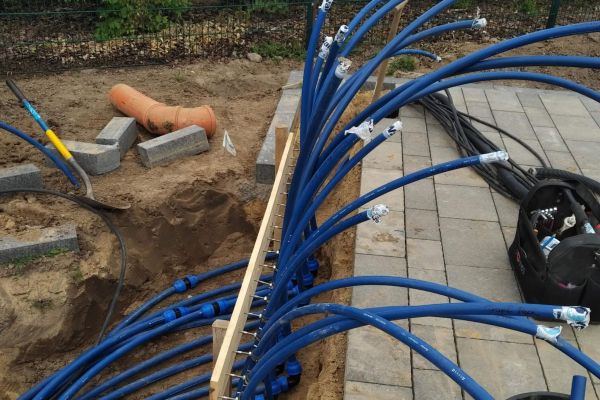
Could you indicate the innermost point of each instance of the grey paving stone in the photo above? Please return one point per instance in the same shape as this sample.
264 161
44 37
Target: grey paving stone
550 139
373 178
418 297
501 100
503 369
466 202
173 146
438 136
412 110
592 173
463 176
371 296
492 283
509 235
559 370
430 118
562 160
596 117
415 143
385 239
440 338
563 104
577 128
508 210
367 391
585 153
523 156
425 254
288 103
430 385
473 243
388 155
474 94
422 224
24 176
38 242
415 163
420 195
539 117
590 105
413 124
120 132
480 110
529 99
515 123
588 340
375 357
95 159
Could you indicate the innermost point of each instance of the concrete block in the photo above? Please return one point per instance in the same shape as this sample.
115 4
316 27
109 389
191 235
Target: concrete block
440 338
374 178
95 159
577 128
521 155
438 137
388 155
384 239
473 94
418 297
425 254
465 202
508 210
430 384
172 146
516 123
420 195
586 153
388 83
480 110
539 117
415 163
501 100
530 99
563 160
120 132
422 224
563 104
550 139
366 391
415 143
38 243
412 111
21 176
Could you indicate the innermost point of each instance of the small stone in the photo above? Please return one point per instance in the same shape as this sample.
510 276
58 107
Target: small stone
254 57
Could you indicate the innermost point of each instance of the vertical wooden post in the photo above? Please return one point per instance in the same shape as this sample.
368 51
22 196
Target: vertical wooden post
219 327
281 134
391 34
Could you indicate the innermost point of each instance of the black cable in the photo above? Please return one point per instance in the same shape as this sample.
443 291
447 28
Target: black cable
111 227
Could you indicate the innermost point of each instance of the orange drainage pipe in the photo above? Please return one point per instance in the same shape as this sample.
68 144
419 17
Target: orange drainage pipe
158 118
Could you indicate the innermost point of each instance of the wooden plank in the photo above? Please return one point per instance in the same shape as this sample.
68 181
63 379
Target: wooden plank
219 327
391 34
222 369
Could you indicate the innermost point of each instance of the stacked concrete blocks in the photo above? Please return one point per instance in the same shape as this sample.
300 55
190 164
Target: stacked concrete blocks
120 132
95 159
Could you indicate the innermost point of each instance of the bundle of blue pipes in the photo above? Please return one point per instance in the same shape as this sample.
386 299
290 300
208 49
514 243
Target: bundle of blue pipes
325 158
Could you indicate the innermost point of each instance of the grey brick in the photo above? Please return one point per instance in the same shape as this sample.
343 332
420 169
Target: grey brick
440 338
577 128
596 116
388 155
562 160
374 178
474 94
422 224
507 209
369 84
590 105
430 385
172 146
504 369
120 132
463 176
425 254
384 239
550 139
523 156
415 143
376 357
367 391
466 202
288 103
480 110
585 153
295 77
563 104
438 137
418 297
473 243
529 99
95 159
515 123
539 117
21 176
415 163
412 124
501 100
420 195
412 110
265 162
38 243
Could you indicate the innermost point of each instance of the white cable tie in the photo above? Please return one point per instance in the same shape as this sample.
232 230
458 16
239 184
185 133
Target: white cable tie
326 5
340 36
392 129
438 59
342 69
549 334
494 157
363 131
378 211
578 317
325 47
479 23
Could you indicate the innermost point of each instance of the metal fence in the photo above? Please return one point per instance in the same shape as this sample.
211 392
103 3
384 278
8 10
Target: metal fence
45 35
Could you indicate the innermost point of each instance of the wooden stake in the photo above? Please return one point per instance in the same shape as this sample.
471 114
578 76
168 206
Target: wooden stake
219 327
391 34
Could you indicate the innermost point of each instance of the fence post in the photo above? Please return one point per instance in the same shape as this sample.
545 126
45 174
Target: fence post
554 8
308 22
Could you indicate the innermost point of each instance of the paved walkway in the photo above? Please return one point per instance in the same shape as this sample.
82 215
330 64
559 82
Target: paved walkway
453 229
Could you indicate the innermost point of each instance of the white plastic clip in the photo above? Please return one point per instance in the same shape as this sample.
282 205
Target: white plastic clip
326 5
378 211
438 59
392 129
363 131
479 23
325 47
343 68
578 317
496 156
547 333
340 36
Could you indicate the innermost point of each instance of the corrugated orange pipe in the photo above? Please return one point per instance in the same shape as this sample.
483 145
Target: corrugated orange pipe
157 117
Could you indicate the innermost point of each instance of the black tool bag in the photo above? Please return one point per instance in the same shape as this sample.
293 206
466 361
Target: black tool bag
570 272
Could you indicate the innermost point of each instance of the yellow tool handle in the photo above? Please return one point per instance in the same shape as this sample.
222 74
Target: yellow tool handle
60 147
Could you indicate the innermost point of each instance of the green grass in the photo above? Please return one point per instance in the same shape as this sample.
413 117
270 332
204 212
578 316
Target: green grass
42 304
528 7
464 4
273 49
77 275
402 63
20 264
